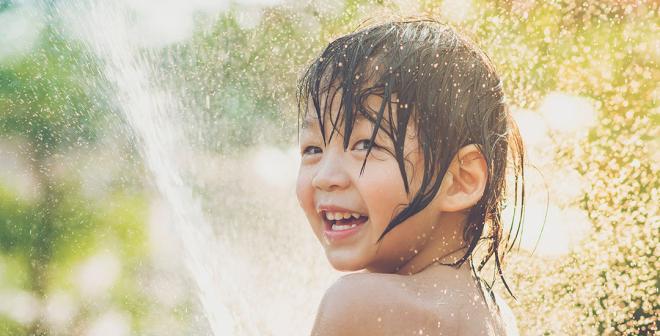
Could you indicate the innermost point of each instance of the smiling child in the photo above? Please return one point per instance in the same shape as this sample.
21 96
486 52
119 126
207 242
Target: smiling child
404 142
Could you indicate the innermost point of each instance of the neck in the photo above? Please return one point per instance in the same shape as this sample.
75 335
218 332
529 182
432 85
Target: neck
439 249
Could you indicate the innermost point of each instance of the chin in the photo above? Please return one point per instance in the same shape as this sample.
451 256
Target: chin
347 268
345 263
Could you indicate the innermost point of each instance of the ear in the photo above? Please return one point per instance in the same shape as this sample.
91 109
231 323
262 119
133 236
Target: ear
465 180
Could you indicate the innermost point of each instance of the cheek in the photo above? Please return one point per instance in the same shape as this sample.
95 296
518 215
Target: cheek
304 190
384 192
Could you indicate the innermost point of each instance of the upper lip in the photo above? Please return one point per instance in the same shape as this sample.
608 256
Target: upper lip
334 208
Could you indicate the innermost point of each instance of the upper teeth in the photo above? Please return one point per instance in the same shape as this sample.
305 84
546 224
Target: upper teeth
340 215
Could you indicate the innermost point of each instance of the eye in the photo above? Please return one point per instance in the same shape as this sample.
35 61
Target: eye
310 150
364 144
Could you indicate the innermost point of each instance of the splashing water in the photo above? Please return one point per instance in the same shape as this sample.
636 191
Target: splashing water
152 115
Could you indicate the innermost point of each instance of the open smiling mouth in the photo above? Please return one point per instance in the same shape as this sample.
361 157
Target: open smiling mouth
336 221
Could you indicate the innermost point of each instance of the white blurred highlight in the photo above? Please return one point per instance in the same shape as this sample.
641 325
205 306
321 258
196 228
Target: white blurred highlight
456 10
98 274
60 309
567 185
16 174
20 306
249 17
565 113
561 119
563 230
276 167
112 323
159 23
164 22
21 26
533 127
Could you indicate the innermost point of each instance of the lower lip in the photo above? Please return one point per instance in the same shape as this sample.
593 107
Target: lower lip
343 234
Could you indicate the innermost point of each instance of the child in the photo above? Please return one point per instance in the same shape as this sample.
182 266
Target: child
404 141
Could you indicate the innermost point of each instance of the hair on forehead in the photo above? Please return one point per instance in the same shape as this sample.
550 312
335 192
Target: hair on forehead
349 71
308 121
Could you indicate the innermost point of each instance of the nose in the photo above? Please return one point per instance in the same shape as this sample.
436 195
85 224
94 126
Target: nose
331 174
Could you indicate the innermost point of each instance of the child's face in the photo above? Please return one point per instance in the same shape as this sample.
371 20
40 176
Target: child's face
329 182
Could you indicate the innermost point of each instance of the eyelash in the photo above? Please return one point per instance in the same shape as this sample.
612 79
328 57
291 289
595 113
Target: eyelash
373 146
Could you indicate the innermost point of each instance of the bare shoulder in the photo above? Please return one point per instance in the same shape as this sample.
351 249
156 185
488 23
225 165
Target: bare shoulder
381 304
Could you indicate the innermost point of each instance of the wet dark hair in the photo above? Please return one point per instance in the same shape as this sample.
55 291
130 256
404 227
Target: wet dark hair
450 91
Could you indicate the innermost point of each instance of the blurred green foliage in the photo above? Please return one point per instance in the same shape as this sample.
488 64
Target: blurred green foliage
49 114
43 97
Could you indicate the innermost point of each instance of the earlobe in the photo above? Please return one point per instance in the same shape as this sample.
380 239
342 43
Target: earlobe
465 181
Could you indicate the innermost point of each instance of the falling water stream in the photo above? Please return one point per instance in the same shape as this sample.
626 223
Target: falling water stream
153 114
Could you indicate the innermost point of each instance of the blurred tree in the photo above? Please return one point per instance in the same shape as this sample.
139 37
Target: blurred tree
44 105
239 80
600 50
47 108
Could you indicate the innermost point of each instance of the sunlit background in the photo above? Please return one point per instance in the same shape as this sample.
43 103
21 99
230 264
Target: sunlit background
148 156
